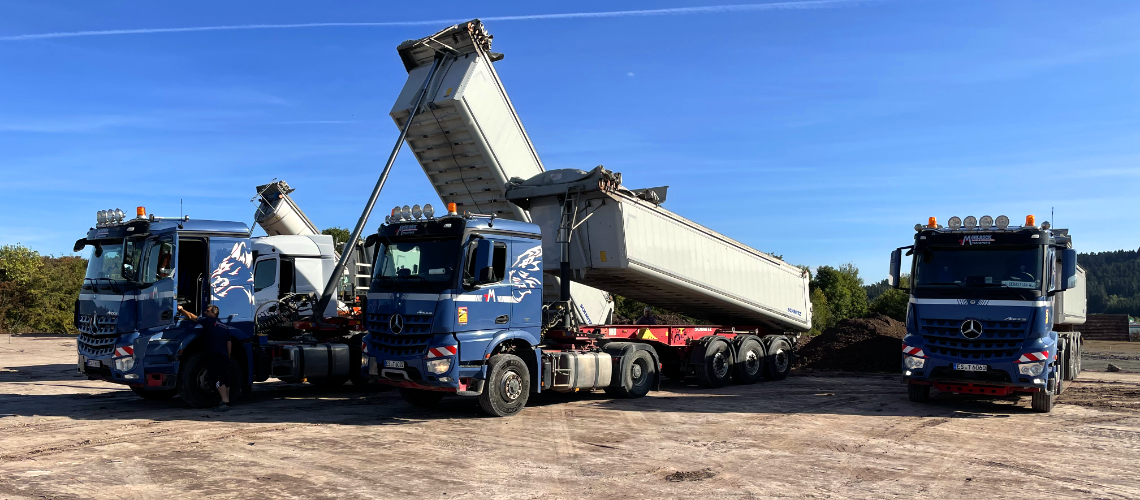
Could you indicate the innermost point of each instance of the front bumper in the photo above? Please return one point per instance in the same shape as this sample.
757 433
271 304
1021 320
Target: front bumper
149 364
1001 378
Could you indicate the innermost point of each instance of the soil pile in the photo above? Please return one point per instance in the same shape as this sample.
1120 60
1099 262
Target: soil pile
872 344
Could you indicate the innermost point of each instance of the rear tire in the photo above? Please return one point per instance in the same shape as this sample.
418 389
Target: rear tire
421 398
918 393
749 365
779 362
158 395
637 373
508 386
1042 401
716 368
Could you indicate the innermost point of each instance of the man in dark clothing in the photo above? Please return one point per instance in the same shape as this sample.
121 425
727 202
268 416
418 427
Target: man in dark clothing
646 317
217 339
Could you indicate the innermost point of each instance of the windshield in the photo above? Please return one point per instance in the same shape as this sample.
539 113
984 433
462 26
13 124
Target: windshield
106 262
415 266
1010 267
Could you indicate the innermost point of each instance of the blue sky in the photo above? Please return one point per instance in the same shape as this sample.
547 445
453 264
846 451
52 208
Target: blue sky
819 131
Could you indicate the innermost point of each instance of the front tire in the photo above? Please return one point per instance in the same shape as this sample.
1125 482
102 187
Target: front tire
1043 401
195 387
918 393
507 388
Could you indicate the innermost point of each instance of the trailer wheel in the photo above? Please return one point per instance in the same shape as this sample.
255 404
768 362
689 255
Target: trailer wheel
918 393
716 368
507 388
779 362
636 377
154 395
194 385
749 366
1042 401
421 398
1079 353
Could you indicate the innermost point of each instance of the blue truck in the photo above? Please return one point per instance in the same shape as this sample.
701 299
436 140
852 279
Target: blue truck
142 269
994 309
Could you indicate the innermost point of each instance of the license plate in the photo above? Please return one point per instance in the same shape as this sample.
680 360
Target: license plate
94 363
388 363
972 368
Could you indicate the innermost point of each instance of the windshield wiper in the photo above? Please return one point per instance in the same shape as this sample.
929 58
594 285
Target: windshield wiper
959 285
393 280
110 284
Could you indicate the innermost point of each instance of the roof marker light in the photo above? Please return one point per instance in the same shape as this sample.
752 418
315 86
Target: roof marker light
140 212
954 222
452 209
1002 222
932 223
1030 221
971 222
986 222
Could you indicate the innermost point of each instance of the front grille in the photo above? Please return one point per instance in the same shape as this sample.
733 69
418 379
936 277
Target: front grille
97 334
1000 340
411 341
947 373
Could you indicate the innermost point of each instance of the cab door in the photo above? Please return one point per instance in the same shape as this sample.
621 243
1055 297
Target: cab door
266 280
157 302
231 281
487 305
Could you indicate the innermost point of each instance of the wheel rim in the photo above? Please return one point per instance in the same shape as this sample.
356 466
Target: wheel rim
752 361
637 372
204 381
781 360
720 365
512 385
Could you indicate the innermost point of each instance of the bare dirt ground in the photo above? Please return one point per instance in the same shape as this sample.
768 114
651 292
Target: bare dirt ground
815 436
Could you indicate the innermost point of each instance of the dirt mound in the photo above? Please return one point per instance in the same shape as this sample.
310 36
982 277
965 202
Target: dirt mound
871 344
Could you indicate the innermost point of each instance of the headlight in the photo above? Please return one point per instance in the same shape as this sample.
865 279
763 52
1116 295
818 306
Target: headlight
1031 369
439 366
125 364
913 362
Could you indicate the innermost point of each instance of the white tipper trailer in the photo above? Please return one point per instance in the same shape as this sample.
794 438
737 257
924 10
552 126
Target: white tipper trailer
471 144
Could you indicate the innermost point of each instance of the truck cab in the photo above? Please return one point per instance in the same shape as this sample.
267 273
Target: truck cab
992 309
139 272
446 294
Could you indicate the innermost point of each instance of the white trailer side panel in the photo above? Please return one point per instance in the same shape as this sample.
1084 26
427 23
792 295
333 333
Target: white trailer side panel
1072 304
635 249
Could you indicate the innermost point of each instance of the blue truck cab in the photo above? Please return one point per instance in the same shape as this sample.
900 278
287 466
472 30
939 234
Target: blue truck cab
447 295
140 271
986 314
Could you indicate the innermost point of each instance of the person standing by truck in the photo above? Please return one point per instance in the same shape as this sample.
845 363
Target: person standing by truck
218 349
647 317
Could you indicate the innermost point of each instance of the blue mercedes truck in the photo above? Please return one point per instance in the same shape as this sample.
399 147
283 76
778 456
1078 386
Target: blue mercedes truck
994 309
142 269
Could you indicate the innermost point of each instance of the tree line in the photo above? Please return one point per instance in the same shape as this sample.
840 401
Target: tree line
38 292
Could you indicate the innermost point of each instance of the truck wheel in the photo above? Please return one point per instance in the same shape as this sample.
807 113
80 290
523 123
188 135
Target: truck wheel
507 388
779 362
749 365
636 377
194 385
421 398
1079 353
717 366
1042 401
918 393
154 395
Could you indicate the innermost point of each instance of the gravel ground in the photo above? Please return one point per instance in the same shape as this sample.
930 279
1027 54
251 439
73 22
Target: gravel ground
814 435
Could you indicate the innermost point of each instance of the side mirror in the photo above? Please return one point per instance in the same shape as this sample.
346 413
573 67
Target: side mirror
894 278
1068 269
79 244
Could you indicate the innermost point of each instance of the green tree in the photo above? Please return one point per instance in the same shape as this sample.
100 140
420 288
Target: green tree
843 290
820 313
38 293
892 303
340 235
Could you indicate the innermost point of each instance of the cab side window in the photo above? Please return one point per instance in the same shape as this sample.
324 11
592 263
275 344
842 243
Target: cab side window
499 259
264 274
498 262
158 260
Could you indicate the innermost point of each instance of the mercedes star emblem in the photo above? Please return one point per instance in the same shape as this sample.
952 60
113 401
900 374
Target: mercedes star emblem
397 323
971 328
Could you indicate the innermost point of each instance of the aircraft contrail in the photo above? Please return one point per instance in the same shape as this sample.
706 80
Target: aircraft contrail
712 9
